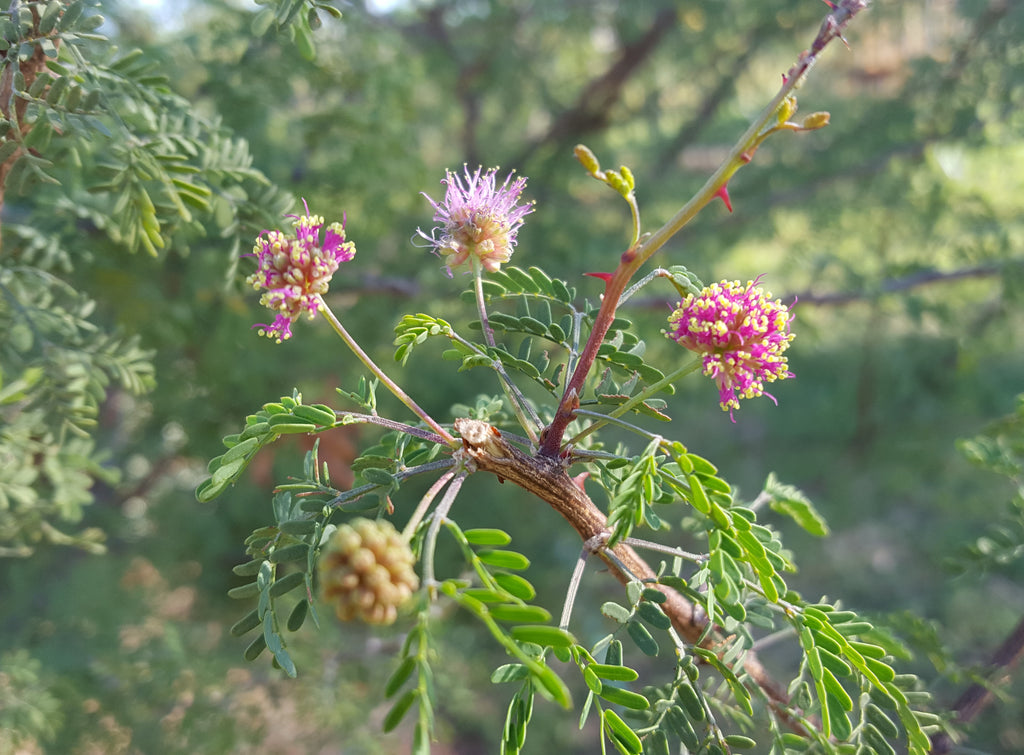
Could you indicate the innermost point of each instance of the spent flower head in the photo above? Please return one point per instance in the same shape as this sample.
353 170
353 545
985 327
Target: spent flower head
295 269
478 218
741 334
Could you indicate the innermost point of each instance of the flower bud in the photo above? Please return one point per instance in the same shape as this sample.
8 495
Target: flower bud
587 159
786 109
627 176
366 571
815 121
617 182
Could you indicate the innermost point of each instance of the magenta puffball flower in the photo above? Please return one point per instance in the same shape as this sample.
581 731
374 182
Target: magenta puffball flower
741 334
295 270
478 218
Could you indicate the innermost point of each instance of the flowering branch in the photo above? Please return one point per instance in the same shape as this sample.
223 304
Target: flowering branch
740 335
480 221
774 117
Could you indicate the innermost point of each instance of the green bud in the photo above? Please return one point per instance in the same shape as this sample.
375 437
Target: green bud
786 109
816 121
627 176
616 182
587 159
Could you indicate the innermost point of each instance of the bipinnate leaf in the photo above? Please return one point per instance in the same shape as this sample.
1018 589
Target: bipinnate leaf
788 500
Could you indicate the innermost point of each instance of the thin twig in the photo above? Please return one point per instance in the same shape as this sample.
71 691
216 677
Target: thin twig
430 541
574 582
668 550
358 418
424 504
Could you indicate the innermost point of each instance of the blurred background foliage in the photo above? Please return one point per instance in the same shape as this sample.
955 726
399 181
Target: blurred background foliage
899 228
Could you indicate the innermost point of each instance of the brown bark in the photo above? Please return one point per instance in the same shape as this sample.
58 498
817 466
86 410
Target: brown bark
546 478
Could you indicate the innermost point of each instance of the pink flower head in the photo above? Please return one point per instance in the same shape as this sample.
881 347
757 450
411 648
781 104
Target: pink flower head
296 269
478 218
742 334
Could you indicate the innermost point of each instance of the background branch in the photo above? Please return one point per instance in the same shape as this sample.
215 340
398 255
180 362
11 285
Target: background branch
705 112
980 694
887 286
590 113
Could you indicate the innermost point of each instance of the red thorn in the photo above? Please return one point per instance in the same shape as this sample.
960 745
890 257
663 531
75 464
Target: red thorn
829 4
723 194
603 276
579 479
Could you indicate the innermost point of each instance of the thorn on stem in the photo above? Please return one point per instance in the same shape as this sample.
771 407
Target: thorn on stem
723 194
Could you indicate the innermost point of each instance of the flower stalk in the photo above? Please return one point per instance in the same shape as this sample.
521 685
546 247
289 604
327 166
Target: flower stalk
518 402
386 381
421 509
